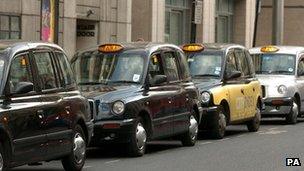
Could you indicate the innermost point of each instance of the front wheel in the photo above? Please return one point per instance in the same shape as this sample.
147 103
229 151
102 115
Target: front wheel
219 123
254 124
76 159
292 117
2 159
190 137
137 144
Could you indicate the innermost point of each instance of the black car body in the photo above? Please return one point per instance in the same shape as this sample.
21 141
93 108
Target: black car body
161 98
43 116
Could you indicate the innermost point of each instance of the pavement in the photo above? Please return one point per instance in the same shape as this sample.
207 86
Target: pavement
240 150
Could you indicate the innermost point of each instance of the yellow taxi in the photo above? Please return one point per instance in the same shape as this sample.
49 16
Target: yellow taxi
230 92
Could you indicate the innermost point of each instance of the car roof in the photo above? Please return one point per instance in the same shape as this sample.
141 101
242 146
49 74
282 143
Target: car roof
221 46
282 49
15 47
147 46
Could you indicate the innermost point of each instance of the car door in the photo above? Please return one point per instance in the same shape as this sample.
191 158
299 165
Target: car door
300 79
179 108
25 120
235 88
159 98
248 83
55 108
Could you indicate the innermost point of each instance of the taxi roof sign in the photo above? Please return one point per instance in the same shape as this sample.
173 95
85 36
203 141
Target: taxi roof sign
269 48
193 47
110 48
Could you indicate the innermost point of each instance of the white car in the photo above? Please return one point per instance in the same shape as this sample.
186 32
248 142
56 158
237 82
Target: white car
280 69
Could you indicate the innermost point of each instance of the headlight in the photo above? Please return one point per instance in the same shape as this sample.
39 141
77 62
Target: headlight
206 97
118 107
282 89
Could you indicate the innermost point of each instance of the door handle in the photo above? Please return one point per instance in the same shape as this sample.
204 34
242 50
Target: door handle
40 114
169 100
242 91
68 109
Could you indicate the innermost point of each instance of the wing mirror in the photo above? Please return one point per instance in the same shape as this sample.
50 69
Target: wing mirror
233 74
24 87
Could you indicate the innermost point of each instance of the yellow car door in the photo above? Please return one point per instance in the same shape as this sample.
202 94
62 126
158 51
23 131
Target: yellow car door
234 84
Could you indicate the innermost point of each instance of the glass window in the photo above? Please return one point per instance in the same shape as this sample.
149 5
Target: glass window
231 63
19 72
155 68
65 68
223 21
45 70
10 27
93 67
242 60
185 74
301 67
206 64
170 66
274 63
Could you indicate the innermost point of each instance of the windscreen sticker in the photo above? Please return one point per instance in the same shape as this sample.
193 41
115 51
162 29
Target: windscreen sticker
1 63
136 77
290 69
190 60
217 72
218 68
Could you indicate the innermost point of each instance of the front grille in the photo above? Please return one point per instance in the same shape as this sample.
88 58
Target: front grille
263 91
92 108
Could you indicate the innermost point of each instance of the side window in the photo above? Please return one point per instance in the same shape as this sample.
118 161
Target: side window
185 74
170 66
155 68
231 63
45 70
250 63
242 60
67 73
301 67
19 73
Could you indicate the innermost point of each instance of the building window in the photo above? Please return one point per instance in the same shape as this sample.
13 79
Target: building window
10 27
223 21
177 21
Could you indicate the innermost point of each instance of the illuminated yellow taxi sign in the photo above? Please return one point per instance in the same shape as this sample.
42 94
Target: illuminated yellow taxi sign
110 48
269 49
193 48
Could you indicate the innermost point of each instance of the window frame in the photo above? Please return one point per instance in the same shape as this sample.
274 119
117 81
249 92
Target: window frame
9 31
240 62
300 59
176 62
148 70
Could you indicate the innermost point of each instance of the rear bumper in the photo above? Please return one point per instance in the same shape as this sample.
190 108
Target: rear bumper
276 107
113 131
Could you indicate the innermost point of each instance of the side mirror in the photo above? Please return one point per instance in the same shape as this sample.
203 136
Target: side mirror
24 87
159 79
233 74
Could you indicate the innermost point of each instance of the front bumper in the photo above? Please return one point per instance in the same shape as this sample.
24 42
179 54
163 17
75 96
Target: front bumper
114 131
277 106
208 117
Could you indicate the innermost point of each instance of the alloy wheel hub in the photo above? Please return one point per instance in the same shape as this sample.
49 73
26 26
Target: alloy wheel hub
141 136
79 148
193 128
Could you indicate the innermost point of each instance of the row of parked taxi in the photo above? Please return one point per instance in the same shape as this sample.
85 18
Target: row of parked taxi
132 93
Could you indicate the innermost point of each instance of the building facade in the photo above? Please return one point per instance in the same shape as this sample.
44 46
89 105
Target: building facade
82 23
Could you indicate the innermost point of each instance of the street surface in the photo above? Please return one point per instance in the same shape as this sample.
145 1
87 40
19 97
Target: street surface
240 150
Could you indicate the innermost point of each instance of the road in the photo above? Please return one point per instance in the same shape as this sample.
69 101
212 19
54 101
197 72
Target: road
238 151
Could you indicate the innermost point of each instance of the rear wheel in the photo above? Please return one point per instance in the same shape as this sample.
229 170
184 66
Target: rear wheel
76 159
190 137
254 124
137 145
292 117
219 123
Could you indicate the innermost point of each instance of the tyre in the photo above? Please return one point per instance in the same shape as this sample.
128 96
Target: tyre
138 141
76 159
190 137
254 124
2 159
218 124
292 117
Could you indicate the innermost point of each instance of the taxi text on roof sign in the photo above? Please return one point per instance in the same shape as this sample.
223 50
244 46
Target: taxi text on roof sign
193 47
110 48
269 49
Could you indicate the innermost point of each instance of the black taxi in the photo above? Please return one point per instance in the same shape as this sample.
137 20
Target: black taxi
43 116
231 94
138 92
